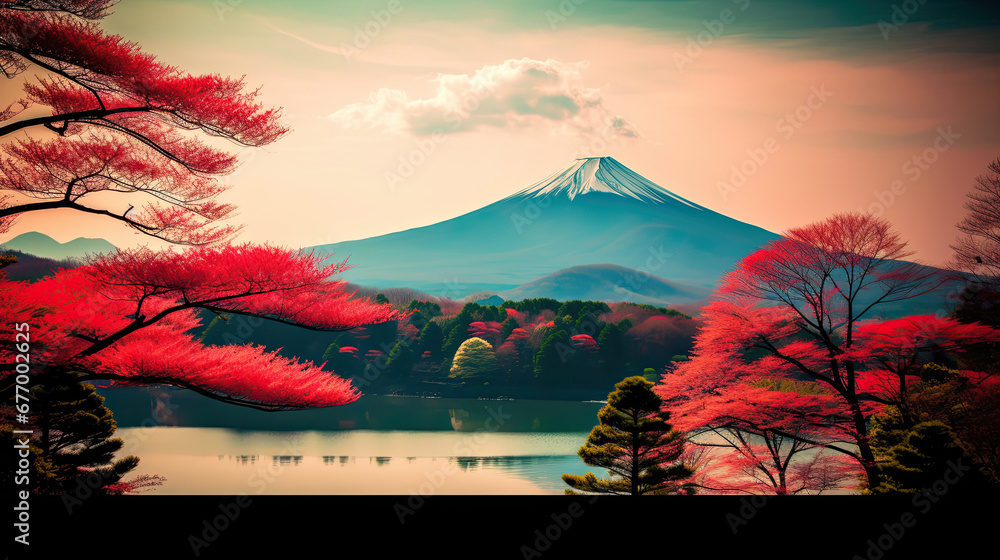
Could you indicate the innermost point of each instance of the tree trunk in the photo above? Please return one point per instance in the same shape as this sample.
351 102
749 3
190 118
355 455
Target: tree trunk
864 448
635 454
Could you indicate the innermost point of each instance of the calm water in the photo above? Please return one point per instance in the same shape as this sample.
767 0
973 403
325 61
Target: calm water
230 461
377 445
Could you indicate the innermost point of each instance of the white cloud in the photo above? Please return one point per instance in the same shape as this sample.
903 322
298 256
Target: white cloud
314 44
515 94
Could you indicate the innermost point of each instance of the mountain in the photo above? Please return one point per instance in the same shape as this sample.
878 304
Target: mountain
30 268
595 211
492 300
42 245
608 282
600 175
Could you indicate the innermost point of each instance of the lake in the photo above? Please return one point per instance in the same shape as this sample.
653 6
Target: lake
376 445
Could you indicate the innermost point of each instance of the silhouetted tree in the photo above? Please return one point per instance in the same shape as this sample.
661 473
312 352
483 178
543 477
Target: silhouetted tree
977 250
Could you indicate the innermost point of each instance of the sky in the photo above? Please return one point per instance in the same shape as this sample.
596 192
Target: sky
405 113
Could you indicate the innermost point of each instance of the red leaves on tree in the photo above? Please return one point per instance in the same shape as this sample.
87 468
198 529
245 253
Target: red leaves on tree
94 71
63 172
895 350
236 374
118 112
760 436
584 342
488 331
127 317
785 351
137 484
120 122
260 280
516 338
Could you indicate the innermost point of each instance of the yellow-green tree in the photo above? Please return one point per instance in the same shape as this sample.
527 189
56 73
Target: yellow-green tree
474 360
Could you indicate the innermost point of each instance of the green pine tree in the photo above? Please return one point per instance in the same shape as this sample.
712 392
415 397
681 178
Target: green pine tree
550 359
402 358
635 443
910 459
506 328
75 439
431 339
612 350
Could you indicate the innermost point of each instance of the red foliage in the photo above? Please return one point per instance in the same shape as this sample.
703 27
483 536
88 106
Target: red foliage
127 316
237 374
516 338
137 484
119 114
488 331
584 342
761 439
659 335
409 331
122 123
790 317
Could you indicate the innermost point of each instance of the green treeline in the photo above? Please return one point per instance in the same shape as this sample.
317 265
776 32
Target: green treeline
537 348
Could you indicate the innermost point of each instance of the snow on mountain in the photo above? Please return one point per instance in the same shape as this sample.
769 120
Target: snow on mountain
595 211
603 175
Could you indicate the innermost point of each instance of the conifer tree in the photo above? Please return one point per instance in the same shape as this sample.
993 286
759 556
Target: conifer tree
431 339
77 440
635 443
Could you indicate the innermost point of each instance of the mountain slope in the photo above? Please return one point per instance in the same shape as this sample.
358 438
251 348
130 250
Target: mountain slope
609 283
603 175
593 212
42 245
30 268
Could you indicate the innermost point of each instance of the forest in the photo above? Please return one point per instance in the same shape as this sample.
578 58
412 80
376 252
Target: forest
534 348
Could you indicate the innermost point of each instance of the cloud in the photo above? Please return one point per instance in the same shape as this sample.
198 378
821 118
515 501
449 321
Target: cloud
516 94
320 46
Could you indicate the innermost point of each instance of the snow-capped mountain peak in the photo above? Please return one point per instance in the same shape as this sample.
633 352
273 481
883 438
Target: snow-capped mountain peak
600 175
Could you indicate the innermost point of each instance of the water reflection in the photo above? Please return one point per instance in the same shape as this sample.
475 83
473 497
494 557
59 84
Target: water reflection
340 460
189 459
240 459
285 460
457 418
132 406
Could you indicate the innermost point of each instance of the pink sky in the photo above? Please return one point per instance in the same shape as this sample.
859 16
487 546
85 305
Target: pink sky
326 181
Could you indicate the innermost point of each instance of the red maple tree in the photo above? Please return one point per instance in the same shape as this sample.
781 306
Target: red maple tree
801 310
127 317
122 123
120 118
764 434
895 352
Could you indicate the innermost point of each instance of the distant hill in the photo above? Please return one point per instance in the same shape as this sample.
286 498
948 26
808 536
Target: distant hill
29 268
608 282
42 245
